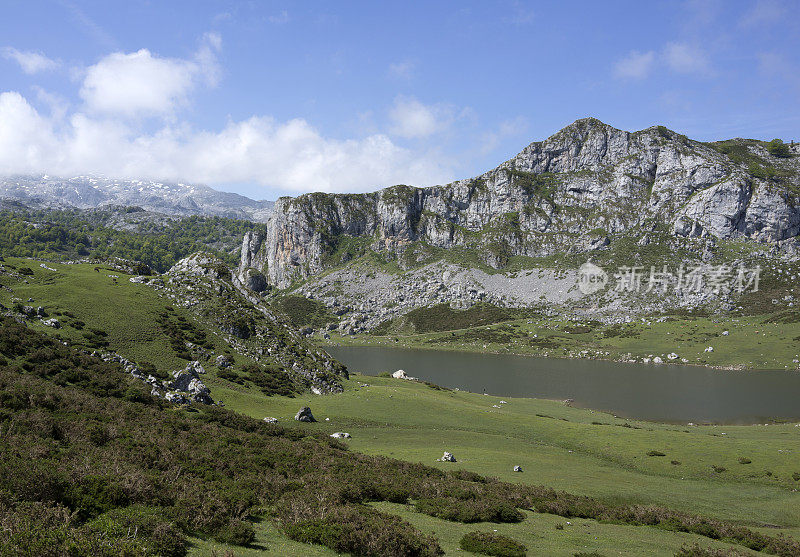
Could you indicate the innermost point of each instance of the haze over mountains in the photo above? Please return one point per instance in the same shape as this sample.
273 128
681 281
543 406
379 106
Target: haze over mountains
89 192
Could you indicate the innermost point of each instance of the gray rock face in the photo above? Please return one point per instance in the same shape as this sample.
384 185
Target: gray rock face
569 192
305 415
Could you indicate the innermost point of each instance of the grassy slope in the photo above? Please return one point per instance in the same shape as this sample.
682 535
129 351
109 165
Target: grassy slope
413 422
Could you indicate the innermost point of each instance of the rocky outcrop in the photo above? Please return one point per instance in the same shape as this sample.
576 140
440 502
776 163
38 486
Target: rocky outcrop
571 192
204 285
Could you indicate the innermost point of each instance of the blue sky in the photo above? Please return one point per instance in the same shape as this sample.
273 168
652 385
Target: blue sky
273 98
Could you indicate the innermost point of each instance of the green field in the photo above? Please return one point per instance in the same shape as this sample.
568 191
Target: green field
580 451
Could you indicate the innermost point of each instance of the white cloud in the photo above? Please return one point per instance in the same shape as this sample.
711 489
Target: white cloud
411 119
30 62
507 128
636 65
687 59
764 12
140 83
287 156
402 70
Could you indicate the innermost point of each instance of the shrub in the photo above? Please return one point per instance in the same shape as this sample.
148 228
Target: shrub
489 543
655 453
796 476
778 148
718 469
744 460
675 462
236 532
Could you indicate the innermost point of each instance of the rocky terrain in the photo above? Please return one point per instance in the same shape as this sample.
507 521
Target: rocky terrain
516 235
88 192
203 284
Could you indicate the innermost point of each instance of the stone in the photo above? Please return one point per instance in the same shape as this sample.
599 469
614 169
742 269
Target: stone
658 360
53 322
305 415
709 349
400 374
340 435
271 420
517 468
447 457
672 356
223 362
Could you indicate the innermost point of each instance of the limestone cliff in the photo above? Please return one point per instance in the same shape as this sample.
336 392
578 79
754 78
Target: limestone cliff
572 192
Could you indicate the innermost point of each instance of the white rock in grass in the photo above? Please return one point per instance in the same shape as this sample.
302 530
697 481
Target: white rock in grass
447 457
340 435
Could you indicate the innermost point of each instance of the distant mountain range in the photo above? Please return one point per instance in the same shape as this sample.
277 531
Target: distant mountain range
89 192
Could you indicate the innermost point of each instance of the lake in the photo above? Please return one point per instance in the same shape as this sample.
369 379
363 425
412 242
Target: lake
666 393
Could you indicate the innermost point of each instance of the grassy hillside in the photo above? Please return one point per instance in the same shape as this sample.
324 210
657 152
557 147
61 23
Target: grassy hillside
613 461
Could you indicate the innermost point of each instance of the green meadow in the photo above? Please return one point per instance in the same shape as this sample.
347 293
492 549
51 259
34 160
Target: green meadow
746 474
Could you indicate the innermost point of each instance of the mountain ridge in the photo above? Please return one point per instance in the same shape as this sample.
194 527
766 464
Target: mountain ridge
171 198
572 191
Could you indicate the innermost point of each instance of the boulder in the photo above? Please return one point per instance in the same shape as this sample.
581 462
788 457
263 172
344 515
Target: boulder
52 323
517 468
271 420
223 362
305 415
340 435
447 457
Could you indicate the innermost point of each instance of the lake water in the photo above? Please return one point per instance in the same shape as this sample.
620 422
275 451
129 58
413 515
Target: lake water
669 393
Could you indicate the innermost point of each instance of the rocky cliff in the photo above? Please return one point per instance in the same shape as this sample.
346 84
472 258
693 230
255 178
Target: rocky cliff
575 191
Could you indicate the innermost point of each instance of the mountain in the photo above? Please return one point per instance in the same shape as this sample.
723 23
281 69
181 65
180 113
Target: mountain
87 192
577 191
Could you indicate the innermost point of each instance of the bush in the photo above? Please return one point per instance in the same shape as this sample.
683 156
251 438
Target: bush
744 460
778 148
236 532
655 453
489 543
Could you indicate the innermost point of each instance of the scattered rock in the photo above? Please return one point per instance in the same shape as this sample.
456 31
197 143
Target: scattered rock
517 468
52 323
340 435
223 362
305 415
672 356
447 457
709 349
271 420
658 360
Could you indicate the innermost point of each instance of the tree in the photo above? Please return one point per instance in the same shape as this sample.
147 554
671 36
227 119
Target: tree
778 148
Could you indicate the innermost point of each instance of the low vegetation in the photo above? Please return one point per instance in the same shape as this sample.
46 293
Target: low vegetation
488 543
88 450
